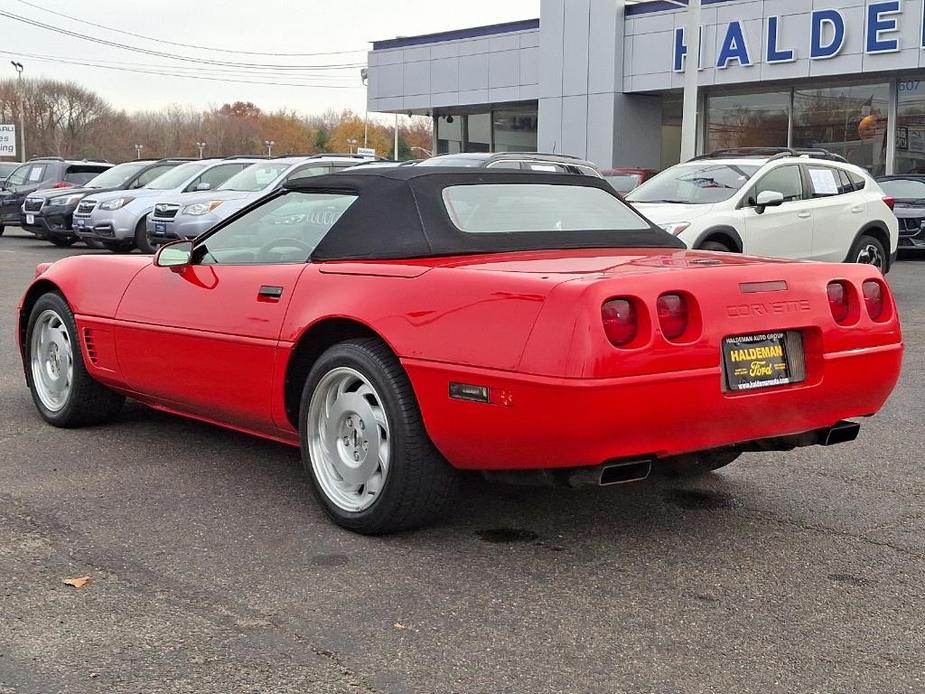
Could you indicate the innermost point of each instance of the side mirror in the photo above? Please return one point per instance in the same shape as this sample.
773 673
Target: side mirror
204 186
768 198
175 255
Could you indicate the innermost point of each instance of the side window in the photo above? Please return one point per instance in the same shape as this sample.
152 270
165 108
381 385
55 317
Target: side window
859 182
844 183
285 229
824 181
214 177
308 172
18 177
785 180
147 176
505 165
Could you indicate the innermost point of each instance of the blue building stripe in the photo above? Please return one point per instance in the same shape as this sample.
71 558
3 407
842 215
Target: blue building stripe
473 33
662 6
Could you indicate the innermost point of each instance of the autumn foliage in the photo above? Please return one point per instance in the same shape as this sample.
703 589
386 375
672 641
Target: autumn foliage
64 119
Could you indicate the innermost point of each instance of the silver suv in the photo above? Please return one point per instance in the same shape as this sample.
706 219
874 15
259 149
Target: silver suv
117 219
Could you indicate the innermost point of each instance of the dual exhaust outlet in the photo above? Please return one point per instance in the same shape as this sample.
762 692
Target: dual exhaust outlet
624 471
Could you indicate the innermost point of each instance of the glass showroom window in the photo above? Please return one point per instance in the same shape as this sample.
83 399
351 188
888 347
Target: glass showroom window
850 121
910 127
450 134
747 120
672 116
478 132
515 131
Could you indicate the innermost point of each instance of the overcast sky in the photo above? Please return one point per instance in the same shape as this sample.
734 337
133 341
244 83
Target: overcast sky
268 26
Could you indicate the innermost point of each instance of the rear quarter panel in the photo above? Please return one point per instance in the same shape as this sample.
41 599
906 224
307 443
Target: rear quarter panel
446 315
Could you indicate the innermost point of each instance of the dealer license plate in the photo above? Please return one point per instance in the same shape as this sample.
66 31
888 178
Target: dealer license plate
80 224
30 219
756 361
160 228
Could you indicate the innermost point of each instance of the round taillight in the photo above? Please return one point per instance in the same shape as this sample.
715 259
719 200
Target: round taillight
620 321
873 298
838 301
672 315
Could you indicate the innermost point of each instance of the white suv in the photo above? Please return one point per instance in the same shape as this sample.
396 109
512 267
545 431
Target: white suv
782 203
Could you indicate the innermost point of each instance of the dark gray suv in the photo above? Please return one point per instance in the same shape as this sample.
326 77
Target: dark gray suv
40 174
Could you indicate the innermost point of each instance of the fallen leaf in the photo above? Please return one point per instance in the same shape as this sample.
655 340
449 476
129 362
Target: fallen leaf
77 582
400 626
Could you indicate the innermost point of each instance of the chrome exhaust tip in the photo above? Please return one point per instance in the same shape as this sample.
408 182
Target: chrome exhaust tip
610 474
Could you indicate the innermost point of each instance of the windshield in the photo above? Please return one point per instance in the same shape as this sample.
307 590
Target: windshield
623 183
533 207
176 177
904 188
117 176
254 178
699 183
465 162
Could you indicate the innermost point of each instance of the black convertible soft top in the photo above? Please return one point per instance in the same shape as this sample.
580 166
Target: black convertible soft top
400 213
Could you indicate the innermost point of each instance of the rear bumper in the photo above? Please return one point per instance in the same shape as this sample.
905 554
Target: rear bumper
558 423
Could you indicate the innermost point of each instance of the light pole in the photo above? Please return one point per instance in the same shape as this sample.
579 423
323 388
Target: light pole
351 143
138 149
269 145
364 78
201 146
22 111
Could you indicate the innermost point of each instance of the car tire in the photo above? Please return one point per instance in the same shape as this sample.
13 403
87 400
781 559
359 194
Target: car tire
62 241
715 246
117 247
2 229
357 396
869 251
93 243
701 463
80 400
141 236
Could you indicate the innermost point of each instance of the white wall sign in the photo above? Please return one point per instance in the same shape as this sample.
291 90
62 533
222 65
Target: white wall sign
366 151
7 140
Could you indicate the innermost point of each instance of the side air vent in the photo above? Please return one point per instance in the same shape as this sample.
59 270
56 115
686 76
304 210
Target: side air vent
90 343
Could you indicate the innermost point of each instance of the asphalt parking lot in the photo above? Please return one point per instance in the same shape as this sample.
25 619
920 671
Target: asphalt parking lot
213 569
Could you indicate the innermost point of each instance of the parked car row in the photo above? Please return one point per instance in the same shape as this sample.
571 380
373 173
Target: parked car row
109 206
778 202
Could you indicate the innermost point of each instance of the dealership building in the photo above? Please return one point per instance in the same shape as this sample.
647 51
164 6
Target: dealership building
603 80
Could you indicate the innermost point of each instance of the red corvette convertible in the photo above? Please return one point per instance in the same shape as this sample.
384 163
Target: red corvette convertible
401 324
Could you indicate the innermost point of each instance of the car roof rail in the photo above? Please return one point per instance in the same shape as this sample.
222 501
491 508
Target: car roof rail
341 155
46 159
247 156
514 155
820 153
746 152
771 153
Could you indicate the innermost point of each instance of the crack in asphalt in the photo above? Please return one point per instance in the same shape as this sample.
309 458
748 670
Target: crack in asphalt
825 530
